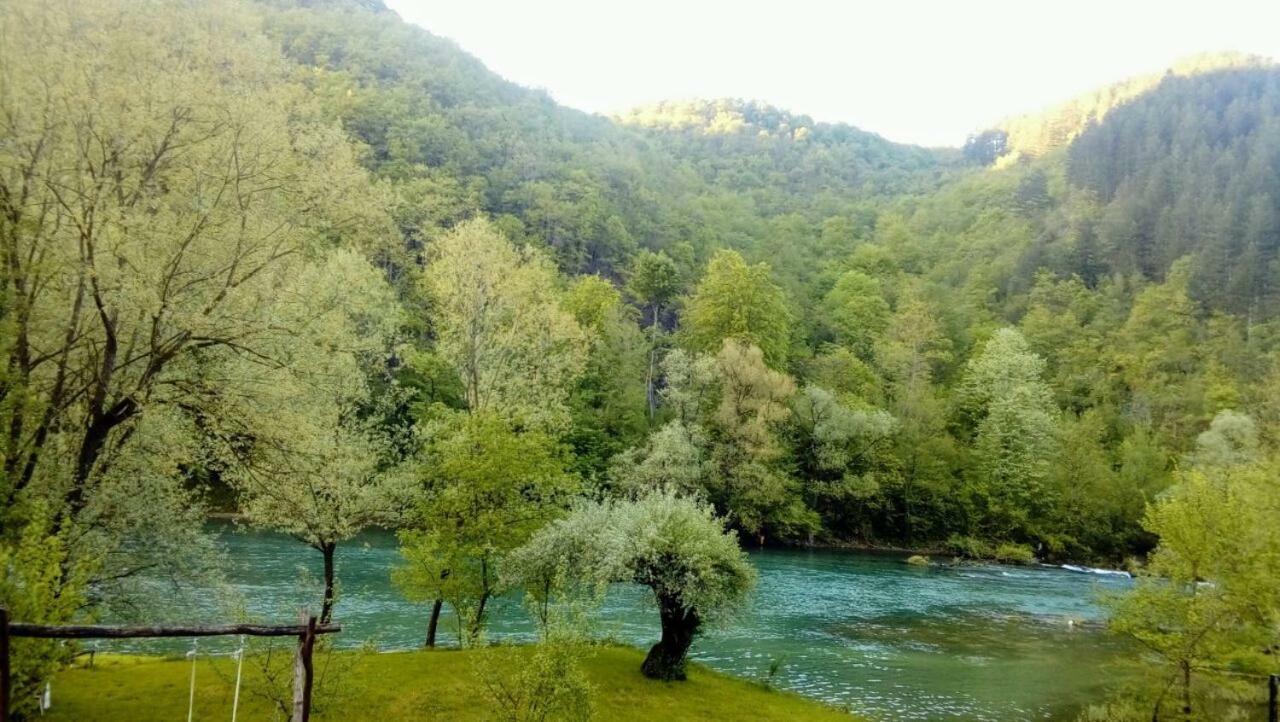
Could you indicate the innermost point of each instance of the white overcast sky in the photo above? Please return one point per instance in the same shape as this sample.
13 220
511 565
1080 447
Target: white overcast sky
915 71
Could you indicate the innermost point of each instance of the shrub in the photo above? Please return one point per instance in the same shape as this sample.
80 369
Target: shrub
969 547
548 685
1010 553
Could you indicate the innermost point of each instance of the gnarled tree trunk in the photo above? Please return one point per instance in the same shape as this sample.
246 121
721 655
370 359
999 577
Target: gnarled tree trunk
666 659
326 610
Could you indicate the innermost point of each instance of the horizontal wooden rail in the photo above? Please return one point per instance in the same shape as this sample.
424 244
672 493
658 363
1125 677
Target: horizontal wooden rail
90 631
303 669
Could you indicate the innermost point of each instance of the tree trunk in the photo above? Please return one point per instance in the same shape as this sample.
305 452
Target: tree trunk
666 659
326 609
651 397
92 444
1186 688
433 623
477 622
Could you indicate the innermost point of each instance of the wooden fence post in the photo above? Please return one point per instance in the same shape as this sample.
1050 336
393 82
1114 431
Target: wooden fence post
303 671
1273 703
4 665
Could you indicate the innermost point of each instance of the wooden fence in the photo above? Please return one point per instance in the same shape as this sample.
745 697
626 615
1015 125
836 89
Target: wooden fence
303 672
1273 698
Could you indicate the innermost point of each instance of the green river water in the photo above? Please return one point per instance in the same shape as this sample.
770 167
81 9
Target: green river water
891 641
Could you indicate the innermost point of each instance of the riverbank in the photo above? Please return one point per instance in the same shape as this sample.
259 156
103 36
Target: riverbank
938 552
941 553
410 686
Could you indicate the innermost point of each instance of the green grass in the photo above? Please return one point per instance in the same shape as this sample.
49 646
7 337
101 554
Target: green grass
439 685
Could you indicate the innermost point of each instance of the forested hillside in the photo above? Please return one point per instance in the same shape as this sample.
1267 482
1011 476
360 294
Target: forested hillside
1096 219
327 269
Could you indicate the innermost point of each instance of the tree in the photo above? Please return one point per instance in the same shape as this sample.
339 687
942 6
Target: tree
314 460
500 325
910 354
162 187
738 301
856 311
593 302
654 281
673 545
1010 413
839 453
984 148
1160 352
608 403
1230 440
488 487
511 337
1208 601
735 405
331 485
673 458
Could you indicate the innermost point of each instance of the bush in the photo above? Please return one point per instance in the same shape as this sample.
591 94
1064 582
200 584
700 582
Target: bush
969 547
549 685
35 589
1010 553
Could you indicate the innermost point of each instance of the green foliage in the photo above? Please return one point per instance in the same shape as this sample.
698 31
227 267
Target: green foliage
673 458
37 589
302 229
673 545
737 301
1207 604
752 145
856 311
593 301
487 488
550 685
969 547
501 326
1014 554
608 403
838 452
163 280
731 408
1230 440
909 258
314 457
1009 410
654 280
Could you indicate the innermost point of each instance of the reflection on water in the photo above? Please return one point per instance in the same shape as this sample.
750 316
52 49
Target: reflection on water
892 641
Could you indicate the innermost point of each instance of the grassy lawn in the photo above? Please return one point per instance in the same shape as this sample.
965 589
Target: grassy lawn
409 686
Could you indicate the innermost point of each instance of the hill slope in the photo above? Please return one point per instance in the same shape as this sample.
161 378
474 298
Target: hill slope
1163 166
434 118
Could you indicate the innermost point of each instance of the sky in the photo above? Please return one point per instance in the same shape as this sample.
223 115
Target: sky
913 71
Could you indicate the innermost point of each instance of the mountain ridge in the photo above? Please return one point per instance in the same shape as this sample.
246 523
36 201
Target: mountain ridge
688 177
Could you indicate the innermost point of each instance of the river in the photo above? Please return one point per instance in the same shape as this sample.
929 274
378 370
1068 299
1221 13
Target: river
891 641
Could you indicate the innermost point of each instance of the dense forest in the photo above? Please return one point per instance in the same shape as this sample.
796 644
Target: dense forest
309 264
